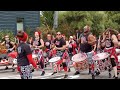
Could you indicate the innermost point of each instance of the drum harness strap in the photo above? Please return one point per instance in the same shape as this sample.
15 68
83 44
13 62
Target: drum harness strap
112 52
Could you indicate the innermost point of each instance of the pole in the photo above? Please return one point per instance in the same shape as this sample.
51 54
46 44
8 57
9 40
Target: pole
55 25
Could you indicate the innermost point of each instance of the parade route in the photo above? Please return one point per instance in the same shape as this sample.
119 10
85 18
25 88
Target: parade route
8 74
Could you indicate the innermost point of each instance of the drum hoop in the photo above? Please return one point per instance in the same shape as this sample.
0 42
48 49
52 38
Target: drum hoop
100 59
85 56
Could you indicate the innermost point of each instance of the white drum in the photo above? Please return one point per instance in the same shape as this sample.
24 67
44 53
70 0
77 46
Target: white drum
100 56
117 51
14 61
79 57
118 58
34 55
54 59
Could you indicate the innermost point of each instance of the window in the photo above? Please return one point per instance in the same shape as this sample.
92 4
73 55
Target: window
20 24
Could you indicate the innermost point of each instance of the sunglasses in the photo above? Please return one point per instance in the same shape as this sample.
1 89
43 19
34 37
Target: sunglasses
58 34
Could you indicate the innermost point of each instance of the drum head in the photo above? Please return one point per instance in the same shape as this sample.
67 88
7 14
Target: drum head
100 56
117 51
34 56
15 61
55 59
79 57
118 58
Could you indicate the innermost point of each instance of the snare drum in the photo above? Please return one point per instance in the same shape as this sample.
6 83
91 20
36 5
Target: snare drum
34 56
100 56
101 62
54 59
15 61
117 51
80 61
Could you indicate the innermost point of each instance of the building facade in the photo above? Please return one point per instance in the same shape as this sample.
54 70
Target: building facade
18 20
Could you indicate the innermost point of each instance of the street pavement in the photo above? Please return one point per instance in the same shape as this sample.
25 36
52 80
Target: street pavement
8 74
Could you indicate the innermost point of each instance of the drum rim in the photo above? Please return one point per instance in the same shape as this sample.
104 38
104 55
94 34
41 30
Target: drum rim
55 57
79 60
100 59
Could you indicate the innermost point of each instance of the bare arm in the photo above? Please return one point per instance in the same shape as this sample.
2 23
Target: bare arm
3 43
115 40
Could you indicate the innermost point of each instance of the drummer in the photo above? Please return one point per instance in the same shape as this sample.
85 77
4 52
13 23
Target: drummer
109 42
10 46
89 50
72 46
85 45
60 46
38 44
48 45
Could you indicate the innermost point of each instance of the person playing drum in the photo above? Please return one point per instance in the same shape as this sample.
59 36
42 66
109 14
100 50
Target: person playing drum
48 45
85 46
38 43
60 46
10 46
24 58
72 47
88 48
110 42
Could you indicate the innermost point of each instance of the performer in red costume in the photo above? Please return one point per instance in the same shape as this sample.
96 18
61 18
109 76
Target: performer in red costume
24 58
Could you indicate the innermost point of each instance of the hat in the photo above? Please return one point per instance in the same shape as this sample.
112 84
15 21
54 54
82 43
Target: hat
22 36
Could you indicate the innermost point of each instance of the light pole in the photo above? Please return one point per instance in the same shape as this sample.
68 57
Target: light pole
55 25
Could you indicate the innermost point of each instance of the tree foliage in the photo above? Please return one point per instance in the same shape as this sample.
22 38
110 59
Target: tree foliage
97 20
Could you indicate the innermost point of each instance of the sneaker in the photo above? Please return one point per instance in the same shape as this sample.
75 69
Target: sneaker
6 68
32 70
53 73
76 73
43 72
116 77
13 70
65 76
69 70
89 72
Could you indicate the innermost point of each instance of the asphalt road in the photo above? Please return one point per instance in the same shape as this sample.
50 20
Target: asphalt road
8 74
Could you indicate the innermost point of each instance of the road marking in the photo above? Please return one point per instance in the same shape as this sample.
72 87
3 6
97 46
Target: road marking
73 77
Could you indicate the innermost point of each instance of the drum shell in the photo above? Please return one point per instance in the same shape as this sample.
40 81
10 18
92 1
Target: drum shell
82 65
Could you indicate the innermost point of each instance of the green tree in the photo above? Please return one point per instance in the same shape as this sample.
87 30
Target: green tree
47 19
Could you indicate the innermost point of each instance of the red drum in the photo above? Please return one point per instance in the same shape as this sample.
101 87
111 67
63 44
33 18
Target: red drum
101 61
4 62
80 61
12 54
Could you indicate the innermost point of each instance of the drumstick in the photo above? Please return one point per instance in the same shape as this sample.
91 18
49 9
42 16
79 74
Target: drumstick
98 42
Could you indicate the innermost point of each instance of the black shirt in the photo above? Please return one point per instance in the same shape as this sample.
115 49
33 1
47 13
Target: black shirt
37 42
23 50
8 44
59 42
108 43
85 47
48 44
